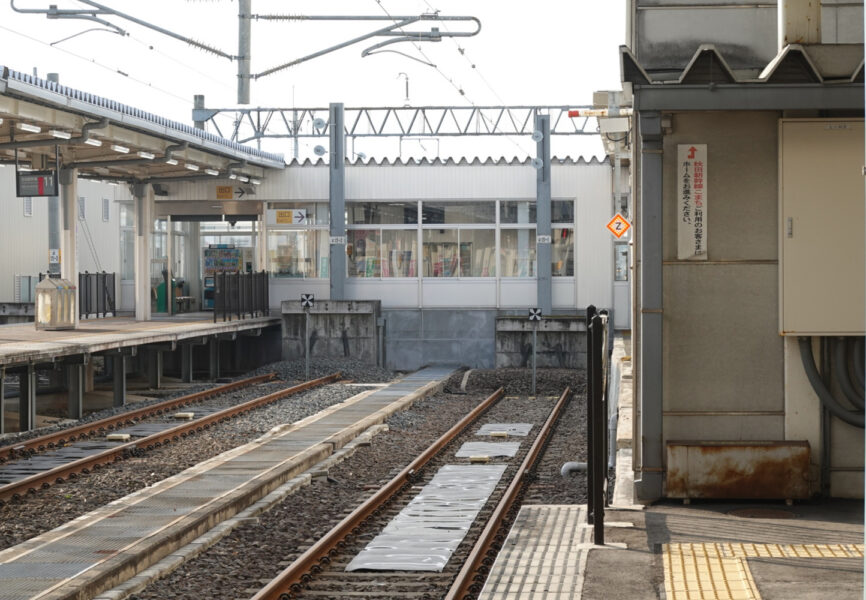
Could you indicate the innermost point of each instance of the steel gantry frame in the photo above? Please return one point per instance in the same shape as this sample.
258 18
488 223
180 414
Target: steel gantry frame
416 121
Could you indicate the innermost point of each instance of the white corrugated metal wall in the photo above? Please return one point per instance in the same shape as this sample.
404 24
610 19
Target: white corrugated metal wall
24 239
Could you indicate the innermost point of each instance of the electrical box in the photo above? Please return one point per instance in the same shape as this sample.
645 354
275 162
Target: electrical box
821 229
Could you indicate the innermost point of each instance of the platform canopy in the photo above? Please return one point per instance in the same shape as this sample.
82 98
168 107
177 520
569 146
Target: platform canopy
48 123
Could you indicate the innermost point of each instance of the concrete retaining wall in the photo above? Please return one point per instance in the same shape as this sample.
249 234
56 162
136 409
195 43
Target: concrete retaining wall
337 329
561 342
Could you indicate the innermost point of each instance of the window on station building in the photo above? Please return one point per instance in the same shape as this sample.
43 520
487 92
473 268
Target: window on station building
562 252
382 213
106 209
562 211
298 253
298 239
459 253
517 212
620 261
517 252
440 213
82 208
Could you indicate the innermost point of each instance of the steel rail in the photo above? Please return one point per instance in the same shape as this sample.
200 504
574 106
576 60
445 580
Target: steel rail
72 433
290 580
467 578
70 470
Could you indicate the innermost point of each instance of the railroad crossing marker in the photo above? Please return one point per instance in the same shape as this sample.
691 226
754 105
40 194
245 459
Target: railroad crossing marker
534 318
307 300
535 314
618 226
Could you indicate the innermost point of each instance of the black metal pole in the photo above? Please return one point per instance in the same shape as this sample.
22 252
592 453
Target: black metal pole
590 471
599 423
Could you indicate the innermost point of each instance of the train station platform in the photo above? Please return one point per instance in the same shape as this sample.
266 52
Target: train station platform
65 355
114 543
706 550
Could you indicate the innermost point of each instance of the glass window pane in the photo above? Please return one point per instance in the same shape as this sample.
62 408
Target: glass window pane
226 226
127 215
399 253
477 253
562 251
562 211
517 252
127 254
363 252
381 213
440 253
620 262
298 253
434 213
516 211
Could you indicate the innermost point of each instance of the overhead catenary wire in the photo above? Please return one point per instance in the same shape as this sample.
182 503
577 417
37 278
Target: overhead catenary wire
450 80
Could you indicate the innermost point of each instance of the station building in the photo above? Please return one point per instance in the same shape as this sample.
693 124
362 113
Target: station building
747 170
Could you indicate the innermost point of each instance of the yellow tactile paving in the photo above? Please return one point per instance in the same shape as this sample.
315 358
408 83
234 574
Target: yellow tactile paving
719 571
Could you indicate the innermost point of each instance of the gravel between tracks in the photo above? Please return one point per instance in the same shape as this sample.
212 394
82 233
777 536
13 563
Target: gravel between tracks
241 563
60 503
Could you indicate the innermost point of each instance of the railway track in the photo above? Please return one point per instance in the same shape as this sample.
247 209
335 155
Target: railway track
71 466
321 570
42 443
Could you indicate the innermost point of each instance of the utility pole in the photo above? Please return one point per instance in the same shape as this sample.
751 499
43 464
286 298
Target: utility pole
245 10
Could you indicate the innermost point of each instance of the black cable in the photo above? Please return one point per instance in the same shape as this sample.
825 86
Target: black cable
827 399
840 370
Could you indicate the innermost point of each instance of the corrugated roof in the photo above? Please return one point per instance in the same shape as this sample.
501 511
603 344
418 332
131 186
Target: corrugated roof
794 64
42 91
468 162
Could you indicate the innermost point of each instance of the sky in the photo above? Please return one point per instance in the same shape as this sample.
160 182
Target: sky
547 53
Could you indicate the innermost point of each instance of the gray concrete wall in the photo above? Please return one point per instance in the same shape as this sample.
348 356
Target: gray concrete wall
338 329
418 337
561 342
723 370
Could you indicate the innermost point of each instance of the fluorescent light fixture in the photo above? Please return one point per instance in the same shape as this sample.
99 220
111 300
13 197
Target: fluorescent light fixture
191 167
93 142
119 148
63 135
213 172
147 155
255 181
243 179
29 127
232 176
170 161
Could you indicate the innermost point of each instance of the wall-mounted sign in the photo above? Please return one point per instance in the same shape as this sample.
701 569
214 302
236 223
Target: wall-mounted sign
542 239
337 239
36 183
224 192
618 226
692 202
288 216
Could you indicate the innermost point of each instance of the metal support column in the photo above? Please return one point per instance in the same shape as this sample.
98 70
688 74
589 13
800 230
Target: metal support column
2 400
337 202
75 385
143 202
542 214
119 379
27 399
245 10
186 363
154 369
648 485
68 261
214 362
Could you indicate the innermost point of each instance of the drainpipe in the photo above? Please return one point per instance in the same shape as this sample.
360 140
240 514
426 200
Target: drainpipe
650 471
799 22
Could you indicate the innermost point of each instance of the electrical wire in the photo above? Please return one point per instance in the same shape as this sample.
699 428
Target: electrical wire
113 70
449 79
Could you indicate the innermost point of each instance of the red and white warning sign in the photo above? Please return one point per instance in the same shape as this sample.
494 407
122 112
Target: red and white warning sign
693 202
618 226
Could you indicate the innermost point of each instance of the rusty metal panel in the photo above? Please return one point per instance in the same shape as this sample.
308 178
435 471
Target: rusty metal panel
742 470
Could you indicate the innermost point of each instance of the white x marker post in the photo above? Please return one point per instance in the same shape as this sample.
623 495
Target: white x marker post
307 301
534 318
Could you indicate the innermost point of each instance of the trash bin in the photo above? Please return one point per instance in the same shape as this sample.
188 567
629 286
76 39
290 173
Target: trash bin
55 304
